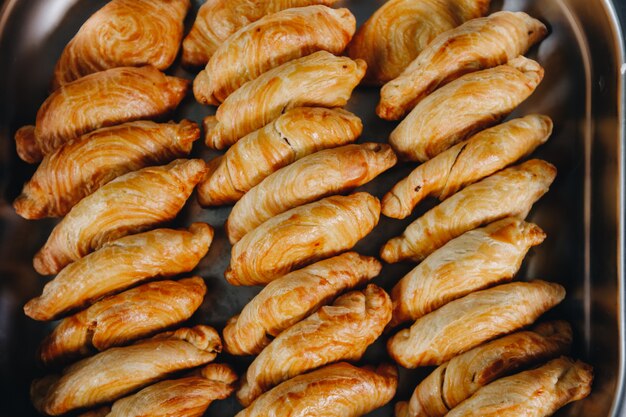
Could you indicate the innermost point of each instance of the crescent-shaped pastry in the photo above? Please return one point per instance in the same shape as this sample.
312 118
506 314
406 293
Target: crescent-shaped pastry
475 100
338 390
301 236
455 381
477 44
397 32
320 79
467 322
536 393
508 193
116 372
124 33
122 318
77 169
98 100
293 135
339 332
483 154
119 265
287 300
327 172
129 204
269 42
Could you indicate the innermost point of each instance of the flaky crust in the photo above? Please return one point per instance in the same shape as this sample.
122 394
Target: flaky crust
320 79
476 100
477 44
508 193
469 321
483 154
287 300
269 42
293 135
301 236
77 169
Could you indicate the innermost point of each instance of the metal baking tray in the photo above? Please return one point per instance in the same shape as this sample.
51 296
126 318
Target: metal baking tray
583 214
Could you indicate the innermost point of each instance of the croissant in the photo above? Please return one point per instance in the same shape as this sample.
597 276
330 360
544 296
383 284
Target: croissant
116 372
98 100
287 300
293 135
397 32
536 393
327 172
301 236
508 193
320 79
469 321
455 381
477 44
476 100
124 33
77 169
269 42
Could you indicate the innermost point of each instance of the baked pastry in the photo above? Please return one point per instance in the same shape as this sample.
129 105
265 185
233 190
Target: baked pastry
119 265
483 154
397 32
98 100
327 172
339 390
269 42
338 332
122 318
477 44
475 260
293 135
129 204
508 193
287 300
301 236
124 33
456 380
469 321
320 79
476 100
77 169
536 393
111 374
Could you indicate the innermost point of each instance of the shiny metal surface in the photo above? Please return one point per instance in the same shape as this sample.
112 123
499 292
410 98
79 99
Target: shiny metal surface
583 213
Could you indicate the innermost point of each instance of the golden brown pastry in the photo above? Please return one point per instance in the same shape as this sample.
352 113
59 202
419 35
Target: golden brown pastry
320 79
287 300
508 193
397 32
327 172
119 265
464 106
293 135
477 44
98 100
469 321
77 169
536 393
338 390
116 372
269 42
124 33
218 19
301 236
129 204
122 318
338 332
456 380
